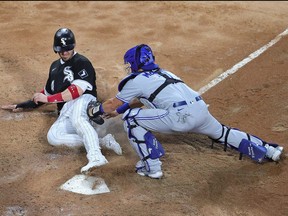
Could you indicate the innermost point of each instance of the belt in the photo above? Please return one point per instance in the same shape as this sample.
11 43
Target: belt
181 103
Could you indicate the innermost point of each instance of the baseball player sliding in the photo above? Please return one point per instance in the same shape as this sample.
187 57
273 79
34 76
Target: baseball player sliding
171 106
71 85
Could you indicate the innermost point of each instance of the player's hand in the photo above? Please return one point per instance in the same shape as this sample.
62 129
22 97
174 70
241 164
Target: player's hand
110 115
39 97
11 107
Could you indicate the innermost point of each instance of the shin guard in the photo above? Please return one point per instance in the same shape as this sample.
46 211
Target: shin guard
154 147
252 150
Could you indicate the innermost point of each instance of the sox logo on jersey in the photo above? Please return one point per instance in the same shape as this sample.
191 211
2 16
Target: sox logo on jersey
69 74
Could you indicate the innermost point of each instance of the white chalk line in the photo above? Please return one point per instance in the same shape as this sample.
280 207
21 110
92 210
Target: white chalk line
236 67
21 115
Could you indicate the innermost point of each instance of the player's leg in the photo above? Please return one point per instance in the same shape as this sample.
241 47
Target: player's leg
84 129
147 166
63 133
248 144
143 141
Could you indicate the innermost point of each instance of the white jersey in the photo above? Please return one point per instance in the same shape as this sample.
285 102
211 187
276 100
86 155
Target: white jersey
174 107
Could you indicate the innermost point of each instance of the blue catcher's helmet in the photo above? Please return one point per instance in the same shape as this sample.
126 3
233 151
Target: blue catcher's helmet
140 57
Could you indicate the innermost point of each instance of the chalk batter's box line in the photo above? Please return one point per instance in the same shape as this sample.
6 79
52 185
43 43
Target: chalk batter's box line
240 64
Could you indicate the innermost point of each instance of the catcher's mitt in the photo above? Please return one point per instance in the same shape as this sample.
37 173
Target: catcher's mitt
94 113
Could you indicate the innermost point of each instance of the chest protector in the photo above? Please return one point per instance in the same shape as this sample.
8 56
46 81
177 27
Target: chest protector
168 80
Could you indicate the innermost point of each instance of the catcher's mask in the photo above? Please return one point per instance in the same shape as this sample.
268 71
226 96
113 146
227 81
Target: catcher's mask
140 57
64 40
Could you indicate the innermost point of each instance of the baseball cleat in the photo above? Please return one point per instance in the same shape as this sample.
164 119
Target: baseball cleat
92 165
156 175
151 174
274 153
277 153
109 142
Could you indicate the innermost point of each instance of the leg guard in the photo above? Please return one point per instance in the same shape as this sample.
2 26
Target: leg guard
148 145
255 152
144 143
154 147
247 144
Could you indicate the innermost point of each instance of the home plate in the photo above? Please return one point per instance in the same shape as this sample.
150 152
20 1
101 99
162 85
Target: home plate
84 184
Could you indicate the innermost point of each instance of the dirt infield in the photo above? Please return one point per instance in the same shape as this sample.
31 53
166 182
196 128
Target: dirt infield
197 41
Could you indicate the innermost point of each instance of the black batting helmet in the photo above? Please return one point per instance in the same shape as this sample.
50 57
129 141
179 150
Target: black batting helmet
64 40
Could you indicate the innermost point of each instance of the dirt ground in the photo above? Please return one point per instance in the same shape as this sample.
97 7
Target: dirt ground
197 41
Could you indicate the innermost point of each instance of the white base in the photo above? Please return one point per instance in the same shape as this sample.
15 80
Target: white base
88 185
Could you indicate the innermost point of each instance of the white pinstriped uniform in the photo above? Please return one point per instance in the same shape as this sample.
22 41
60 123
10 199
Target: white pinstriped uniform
73 128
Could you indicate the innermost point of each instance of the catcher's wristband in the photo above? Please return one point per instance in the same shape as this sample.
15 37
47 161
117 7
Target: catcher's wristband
122 108
55 98
101 109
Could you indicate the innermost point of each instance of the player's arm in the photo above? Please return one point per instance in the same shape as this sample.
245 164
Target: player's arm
122 108
72 92
29 104
106 109
114 104
111 105
110 108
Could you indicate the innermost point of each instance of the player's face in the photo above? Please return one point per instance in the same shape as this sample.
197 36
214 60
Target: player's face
127 68
66 55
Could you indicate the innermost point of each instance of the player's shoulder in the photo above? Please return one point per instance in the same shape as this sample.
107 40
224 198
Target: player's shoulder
80 61
80 57
169 73
125 80
55 64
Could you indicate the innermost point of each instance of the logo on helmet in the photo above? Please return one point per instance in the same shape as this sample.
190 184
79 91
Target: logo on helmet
140 57
63 41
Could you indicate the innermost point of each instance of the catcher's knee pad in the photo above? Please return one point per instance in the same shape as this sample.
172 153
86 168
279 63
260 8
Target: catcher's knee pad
252 150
